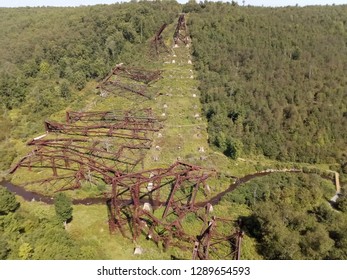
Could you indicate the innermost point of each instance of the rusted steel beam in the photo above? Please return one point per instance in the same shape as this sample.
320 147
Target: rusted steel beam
117 145
213 243
238 236
158 34
135 131
171 198
131 75
90 146
137 74
181 33
175 188
134 88
43 158
70 156
144 116
112 156
158 40
203 242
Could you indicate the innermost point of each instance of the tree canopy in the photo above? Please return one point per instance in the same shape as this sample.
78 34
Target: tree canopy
272 79
291 218
8 202
63 207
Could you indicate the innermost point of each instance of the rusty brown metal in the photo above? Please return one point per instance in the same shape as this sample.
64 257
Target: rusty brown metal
238 236
110 86
214 243
138 74
145 116
173 190
132 197
129 79
158 42
127 130
91 147
181 33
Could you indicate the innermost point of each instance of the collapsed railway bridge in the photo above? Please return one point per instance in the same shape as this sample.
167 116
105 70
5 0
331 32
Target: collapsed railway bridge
123 79
90 147
108 148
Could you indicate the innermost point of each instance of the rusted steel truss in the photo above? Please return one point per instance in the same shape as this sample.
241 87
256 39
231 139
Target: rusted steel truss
172 192
181 33
122 130
158 42
111 86
79 151
108 124
82 160
136 74
145 116
212 243
137 80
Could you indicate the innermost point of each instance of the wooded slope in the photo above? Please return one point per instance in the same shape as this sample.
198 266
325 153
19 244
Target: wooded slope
273 79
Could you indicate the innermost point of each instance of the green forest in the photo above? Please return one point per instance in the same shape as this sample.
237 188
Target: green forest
38 234
255 89
272 80
290 218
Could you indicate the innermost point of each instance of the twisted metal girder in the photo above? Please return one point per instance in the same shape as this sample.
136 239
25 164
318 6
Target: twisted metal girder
158 42
98 150
173 190
136 80
213 243
181 33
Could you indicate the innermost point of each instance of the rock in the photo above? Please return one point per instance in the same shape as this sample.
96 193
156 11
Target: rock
149 188
209 208
103 93
155 158
147 206
138 251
